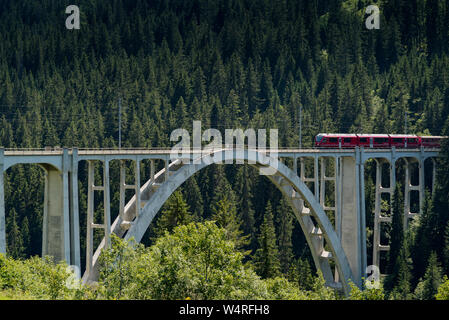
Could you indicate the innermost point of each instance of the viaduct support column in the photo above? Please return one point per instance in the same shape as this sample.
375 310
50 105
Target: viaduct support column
56 224
421 187
407 186
74 212
91 225
351 221
362 212
377 209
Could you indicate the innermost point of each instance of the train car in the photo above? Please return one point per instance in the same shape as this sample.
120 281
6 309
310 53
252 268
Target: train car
373 140
365 140
432 142
349 140
384 141
336 140
380 141
405 141
325 140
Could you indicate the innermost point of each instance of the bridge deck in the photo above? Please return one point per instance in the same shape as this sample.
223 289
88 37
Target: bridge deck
167 151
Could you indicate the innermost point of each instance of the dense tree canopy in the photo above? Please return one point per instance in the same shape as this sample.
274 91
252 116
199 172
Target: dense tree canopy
231 64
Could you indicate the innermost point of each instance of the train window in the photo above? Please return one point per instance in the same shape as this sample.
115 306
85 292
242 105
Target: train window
347 140
319 138
333 140
363 140
397 140
380 140
412 140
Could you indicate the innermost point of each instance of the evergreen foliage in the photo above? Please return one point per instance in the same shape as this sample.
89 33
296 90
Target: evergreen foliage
225 216
427 288
266 257
176 213
230 64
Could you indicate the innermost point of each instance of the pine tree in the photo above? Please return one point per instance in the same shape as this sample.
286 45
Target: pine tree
446 250
26 236
427 288
225 216
181 113
253 89
440 201
218 188
400 281
266 259
194 199
176 213
15 243
435 20
382 122
284 219
243 187
425 237
305 275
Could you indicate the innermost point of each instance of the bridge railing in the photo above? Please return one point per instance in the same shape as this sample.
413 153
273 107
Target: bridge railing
168 150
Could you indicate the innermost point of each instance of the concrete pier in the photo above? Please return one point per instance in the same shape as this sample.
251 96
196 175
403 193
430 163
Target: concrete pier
56 224
351 217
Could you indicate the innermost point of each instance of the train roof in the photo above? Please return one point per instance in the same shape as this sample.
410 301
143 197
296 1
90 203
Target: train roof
338 134
379 135
435 137
403 136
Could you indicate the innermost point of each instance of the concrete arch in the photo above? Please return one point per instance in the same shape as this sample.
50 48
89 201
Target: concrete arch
52 163
284 178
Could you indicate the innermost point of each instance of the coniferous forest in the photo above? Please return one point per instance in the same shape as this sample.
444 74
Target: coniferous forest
230 64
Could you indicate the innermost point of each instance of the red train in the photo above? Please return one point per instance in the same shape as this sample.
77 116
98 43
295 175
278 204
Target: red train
342 140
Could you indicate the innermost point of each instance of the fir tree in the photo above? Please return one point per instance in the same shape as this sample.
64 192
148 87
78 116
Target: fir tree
305 274
194 199
15 243
427 288
26 236
225 216
400 280
446 250
284 219
425 238
176 213
266 259
243 187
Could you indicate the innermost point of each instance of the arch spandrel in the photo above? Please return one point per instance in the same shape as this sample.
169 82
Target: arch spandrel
284 178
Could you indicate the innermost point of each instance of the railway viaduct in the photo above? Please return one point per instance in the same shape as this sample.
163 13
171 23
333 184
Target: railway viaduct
329 204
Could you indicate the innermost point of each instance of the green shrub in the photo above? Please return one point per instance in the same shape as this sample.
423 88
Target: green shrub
37 278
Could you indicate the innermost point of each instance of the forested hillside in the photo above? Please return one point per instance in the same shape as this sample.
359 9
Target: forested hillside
230 64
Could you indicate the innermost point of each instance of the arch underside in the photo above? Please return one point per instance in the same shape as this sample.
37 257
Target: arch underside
314 222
